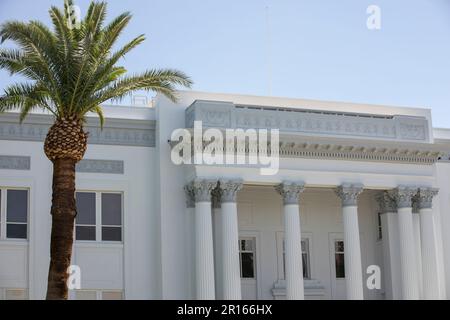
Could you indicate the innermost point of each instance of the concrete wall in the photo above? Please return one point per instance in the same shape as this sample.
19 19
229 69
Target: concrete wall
131 266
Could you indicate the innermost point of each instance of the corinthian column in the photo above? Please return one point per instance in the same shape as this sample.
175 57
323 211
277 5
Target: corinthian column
230 239
217 236
290 191
204 252
190 232
417 245
352 248
410 284
428 244
391 259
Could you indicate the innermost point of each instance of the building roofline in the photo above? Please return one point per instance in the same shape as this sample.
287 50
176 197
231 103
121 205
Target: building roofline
289 102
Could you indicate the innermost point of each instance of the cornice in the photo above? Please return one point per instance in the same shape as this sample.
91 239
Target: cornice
358 153
341 149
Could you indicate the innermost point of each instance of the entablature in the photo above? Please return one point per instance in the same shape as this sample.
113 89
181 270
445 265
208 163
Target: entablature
309 133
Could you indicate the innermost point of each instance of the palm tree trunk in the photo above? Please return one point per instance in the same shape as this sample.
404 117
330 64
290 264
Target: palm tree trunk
63 213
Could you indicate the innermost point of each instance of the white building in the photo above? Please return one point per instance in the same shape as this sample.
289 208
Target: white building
361 178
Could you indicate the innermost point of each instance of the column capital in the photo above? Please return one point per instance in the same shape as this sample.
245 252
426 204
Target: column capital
203 188
290 191
415 204
425 197
386 202
216 201
190 196
403 195
349 193
229 189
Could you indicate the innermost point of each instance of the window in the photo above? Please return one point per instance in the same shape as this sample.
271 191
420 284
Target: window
85 295
111 217
99 216
339 258
86 217
98 295
379 229
13 214
13 294
305 259
247 257
112 295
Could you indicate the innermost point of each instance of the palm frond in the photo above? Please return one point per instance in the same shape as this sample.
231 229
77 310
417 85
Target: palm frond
72 71
99 111
24 97
161 81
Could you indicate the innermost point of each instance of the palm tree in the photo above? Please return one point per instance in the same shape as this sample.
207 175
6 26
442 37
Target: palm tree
71 71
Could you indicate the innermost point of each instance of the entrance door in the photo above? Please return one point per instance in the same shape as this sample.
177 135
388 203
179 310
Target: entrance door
247 262
337 251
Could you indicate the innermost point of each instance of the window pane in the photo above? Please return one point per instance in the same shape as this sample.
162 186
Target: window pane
85 233
85 295
15 294
247 265
305 261
305 258
85 208
249 245
380 232
111 295
17 206
111 233
339 246
340 268
16 231
111 209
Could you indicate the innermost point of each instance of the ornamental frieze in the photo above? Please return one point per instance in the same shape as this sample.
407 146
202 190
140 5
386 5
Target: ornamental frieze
227 115
115 132
15 162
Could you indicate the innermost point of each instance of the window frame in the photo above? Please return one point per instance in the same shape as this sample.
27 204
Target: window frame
334 256
4 293
98 293
247 251
111 225
4 214
281 255
308 254
87 225
98 218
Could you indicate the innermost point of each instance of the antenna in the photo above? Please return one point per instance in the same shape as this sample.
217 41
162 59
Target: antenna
268 53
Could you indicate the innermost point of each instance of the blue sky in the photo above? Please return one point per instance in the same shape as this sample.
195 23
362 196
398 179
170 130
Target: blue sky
319 49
